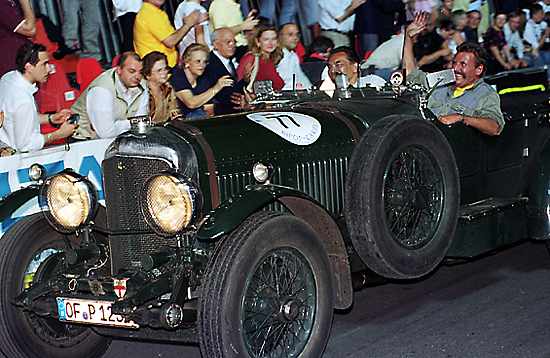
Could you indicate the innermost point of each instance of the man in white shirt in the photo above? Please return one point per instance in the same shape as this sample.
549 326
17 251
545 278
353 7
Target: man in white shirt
511 34
113 97
386 57
537 34
343 60
200 33
334 23
21 129
289 66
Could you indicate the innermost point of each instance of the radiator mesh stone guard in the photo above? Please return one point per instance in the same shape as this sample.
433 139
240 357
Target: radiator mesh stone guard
123 180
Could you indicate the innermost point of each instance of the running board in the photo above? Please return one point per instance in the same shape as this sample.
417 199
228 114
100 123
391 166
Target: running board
488 225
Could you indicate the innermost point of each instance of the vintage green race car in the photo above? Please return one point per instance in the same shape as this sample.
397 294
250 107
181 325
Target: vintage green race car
245 232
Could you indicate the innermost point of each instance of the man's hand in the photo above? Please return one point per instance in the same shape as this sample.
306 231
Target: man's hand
6 151
239 101
418 25
189 22
356 3
1 119
484 125
242 101
451 118
28 28
203 17
61 116
67 129
193 18
250 22
350 10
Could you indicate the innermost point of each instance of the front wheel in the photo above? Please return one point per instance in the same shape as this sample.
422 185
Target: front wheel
267 292
30 252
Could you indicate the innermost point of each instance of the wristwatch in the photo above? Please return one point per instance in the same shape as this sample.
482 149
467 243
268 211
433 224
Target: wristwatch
52 123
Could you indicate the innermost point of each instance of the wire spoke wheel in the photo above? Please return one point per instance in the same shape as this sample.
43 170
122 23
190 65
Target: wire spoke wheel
413 197
279 305
267 292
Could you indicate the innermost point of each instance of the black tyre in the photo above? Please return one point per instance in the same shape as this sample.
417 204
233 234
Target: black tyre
402 197
267 292
30 252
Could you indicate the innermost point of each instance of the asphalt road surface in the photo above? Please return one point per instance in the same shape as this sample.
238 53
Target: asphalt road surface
497 306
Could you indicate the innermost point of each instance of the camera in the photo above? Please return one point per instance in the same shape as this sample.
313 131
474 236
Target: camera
74 118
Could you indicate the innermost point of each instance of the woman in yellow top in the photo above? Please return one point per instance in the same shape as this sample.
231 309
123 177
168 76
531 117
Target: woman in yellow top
154 32
163 104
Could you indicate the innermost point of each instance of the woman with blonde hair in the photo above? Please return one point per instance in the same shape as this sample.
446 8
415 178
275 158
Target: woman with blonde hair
163 104
260 63
193 90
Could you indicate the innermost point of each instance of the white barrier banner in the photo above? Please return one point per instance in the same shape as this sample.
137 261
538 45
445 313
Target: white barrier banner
83 157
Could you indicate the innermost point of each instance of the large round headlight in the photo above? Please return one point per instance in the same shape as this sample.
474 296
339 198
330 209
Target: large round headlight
69 201
171 203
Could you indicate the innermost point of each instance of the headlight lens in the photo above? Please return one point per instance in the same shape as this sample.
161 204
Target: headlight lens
71 200
171 203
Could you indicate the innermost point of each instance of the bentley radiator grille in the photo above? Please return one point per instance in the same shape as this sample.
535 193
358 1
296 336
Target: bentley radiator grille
232 184
124 178
324 180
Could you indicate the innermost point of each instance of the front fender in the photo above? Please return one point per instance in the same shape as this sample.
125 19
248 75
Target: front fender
233 211
16 199
226 217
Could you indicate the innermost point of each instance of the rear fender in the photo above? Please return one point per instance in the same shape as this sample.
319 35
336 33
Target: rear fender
232 212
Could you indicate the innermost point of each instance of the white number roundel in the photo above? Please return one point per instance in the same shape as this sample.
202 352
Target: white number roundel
297 128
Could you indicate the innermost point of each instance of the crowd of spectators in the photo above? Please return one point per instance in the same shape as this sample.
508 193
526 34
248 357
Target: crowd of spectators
214 55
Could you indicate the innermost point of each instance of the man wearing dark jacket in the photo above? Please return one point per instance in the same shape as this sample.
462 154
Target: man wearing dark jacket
220 63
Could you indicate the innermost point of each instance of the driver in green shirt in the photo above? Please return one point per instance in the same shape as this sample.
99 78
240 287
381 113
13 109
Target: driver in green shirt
469 100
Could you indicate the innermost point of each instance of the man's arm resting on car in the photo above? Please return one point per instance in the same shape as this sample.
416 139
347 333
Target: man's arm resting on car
484 125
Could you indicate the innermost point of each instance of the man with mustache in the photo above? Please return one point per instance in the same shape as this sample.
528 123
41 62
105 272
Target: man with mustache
114 96
469 100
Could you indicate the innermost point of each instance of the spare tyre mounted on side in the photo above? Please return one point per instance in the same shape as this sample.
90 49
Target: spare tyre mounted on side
402 197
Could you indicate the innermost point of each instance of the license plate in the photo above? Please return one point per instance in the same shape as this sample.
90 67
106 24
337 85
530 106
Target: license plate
90 312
